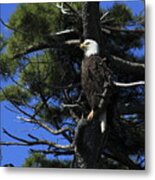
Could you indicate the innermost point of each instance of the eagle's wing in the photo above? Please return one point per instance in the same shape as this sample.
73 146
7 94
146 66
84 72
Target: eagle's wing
100 82
97 85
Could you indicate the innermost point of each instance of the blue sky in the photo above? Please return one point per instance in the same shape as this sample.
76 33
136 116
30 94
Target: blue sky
9 121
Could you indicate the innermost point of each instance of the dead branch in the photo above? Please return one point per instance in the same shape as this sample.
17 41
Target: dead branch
127 67
104 15
67 31
60 5
69 105
37 141
45 126
111 29
54 152
120 84
76 13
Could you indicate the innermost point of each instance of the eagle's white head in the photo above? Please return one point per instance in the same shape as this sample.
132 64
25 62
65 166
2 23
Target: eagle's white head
90 47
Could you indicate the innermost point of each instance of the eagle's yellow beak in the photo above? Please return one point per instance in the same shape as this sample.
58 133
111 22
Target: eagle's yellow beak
82 46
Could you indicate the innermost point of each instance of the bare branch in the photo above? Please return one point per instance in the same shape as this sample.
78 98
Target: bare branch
33 137
73 42
60 5
111 29
127 67
23 142
72 10
67 31
120 84
14 137
13 144
54 152
45 126
70 105
104 15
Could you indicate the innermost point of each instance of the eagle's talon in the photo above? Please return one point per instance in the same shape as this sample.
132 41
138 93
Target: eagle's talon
90 115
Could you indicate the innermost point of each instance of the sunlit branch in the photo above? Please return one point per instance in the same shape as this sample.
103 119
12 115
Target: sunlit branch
111 29
120 84
104 15
45 126
72 10
70 105
60 6
37 141
128 67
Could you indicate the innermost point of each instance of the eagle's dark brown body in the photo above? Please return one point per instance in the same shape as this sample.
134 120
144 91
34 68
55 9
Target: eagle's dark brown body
96 81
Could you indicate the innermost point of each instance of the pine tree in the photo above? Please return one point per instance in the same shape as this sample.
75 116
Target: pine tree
42 59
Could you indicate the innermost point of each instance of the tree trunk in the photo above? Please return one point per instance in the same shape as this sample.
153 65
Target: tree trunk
89 139
88 143
91 23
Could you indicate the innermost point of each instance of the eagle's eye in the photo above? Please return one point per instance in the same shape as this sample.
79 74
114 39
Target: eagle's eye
87 43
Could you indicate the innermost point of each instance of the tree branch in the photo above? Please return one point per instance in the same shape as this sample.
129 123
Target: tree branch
45 126
70 105
110 29
127 67
23 142
12 28
120 84
121 160
76 13
104 15
132 108
60 5
43 45
54 152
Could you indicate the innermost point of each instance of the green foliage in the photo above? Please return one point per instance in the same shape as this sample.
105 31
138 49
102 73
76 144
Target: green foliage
40 72
33 22
40 160
121 13
41 75
6 70
2 42
119 20
15 94
73 21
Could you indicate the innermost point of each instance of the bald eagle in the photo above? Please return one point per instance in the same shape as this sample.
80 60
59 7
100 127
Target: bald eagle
96 81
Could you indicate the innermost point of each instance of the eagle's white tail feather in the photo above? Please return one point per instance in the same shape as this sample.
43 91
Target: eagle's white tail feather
103 120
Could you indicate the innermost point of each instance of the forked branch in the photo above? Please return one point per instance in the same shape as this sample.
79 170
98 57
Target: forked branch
36 141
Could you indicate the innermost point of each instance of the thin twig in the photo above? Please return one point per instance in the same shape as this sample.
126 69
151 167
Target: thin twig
12 28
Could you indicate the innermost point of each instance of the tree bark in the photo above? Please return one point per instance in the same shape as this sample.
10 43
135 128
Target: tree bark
89 139
88 143
91 23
